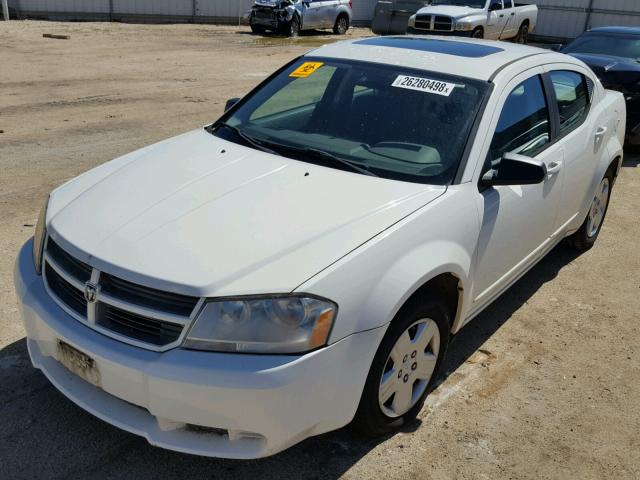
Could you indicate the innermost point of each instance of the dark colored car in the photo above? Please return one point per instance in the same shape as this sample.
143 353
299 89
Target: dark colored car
613 53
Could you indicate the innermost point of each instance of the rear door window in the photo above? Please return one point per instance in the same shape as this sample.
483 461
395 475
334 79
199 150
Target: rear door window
572 94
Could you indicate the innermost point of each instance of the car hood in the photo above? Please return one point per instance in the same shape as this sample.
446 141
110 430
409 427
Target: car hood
455 11
613 72
271 3
202 216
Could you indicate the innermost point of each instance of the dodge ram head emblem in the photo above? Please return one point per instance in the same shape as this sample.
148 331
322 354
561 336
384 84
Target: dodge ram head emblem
90 292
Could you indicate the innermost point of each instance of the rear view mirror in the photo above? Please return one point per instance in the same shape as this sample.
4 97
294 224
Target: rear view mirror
515 170
557 47
230 103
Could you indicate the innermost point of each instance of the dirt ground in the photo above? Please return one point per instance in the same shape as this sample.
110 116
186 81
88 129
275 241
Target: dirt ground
544 384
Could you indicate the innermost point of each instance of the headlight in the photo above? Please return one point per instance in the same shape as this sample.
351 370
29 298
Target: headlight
278 324
412 21
463 26
38 238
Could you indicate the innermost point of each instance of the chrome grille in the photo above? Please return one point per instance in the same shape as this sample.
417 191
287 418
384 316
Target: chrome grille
132 313
129 324
423 22
71 296
434 23
442 24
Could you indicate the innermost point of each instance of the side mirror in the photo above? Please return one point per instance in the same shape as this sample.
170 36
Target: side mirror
557 47
230 103
495 6
516 170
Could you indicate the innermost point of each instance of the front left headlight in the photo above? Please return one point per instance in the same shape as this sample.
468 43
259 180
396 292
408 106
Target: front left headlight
38 238
463 26
259 324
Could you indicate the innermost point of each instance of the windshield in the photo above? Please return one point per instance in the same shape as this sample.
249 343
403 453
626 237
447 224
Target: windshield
388 121
464 3
623 46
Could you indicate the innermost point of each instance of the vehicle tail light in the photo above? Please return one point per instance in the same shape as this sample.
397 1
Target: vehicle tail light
351 4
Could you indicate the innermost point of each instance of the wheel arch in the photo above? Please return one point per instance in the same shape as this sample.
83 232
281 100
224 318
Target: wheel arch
448 286
615 166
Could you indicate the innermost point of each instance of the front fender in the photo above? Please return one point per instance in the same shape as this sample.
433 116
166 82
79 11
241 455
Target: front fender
373 282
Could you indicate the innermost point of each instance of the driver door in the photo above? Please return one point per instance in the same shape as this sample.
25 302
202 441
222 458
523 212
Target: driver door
496 20
312 14
518 221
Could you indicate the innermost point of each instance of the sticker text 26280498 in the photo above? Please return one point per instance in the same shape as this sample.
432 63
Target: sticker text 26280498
424 85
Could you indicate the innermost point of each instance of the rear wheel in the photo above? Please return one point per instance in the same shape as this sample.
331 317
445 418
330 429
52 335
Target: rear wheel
588 233
477 33
342 25
404 368
523 34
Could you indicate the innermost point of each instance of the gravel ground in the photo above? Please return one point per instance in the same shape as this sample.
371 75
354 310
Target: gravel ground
544 384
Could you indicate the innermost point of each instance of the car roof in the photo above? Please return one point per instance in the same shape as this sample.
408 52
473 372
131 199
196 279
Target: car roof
627 30
479 59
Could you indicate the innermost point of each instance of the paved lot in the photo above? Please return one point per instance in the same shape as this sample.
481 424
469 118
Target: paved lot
544 384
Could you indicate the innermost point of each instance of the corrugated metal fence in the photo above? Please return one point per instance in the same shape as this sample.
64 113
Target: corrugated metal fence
167 10
569 18
558 18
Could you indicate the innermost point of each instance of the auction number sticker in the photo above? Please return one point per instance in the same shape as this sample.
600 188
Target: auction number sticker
306 69
424 85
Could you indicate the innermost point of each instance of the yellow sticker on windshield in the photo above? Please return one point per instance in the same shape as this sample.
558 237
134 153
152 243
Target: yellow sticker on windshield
306 69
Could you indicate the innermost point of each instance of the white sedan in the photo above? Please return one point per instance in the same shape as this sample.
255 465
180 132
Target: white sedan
303 262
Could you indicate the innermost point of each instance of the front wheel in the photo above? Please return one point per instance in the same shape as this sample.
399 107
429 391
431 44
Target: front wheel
255 28
588 233
477 33
342 25
523 34
404 368
292 29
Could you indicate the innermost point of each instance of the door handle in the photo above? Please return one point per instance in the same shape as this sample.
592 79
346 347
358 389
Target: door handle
598 138
502 15
512 14
553 168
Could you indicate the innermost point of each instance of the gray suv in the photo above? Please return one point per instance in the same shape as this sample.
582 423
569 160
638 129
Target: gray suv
292 16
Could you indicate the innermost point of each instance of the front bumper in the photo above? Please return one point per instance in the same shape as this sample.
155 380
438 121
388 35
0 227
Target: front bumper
250 405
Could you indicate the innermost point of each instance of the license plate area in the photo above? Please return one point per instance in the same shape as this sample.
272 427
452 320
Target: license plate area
78 362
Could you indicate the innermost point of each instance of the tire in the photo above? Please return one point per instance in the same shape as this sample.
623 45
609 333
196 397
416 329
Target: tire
477 33
523 34
342 25
588 232
292 29
380 412
259 29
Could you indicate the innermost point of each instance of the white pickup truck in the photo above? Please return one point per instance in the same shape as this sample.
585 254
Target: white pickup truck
490 19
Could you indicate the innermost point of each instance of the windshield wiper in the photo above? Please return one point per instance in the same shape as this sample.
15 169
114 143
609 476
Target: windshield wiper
257 144
322 155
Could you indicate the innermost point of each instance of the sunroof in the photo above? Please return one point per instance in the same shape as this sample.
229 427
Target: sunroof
459 49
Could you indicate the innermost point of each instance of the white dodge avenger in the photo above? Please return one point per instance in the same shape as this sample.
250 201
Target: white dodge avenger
303 262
